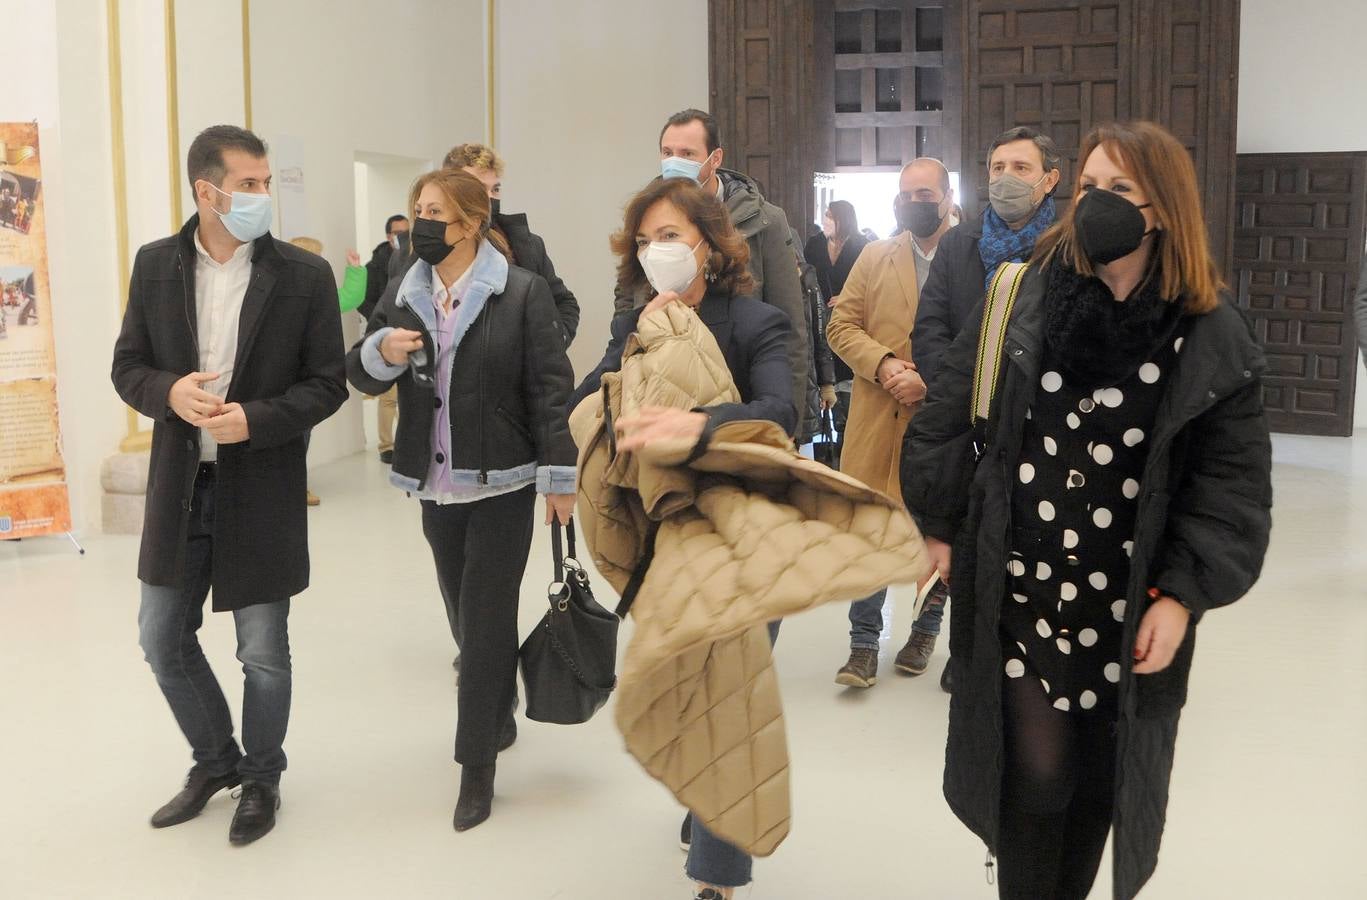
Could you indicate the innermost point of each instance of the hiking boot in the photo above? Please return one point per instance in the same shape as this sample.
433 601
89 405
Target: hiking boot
914 658
861 671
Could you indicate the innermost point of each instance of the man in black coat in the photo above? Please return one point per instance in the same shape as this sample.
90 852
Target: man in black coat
1023 171
377 269
232 344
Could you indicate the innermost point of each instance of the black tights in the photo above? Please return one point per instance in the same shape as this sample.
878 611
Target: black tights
1057 795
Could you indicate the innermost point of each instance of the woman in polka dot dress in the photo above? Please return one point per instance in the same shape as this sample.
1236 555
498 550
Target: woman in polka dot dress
1122 488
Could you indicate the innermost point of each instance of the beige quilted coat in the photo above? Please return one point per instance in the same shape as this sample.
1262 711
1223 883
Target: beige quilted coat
748 533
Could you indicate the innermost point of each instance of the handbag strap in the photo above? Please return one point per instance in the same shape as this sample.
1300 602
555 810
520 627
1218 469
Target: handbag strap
638 576
558 540
997 307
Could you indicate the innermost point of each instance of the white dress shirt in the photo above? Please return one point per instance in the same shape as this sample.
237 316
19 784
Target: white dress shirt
219 289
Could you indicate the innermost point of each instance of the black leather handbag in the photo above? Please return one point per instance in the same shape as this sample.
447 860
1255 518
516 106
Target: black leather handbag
569 663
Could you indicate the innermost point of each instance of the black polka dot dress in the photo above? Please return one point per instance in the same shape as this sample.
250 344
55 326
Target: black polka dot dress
1074 499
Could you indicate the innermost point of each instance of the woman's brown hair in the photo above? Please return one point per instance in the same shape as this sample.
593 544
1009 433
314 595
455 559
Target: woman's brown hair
728 263
1163 170
843 215
468 198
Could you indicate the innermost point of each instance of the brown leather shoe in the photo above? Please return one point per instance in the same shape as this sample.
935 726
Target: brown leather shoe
914 658
861 671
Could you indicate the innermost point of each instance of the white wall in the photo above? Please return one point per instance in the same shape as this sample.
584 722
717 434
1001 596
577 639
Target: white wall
582 91
1298 92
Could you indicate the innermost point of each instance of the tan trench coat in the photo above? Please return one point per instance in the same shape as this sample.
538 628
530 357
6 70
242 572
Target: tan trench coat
747 533
874 317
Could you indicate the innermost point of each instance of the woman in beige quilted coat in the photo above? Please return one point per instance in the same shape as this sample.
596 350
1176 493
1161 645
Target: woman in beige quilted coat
680 241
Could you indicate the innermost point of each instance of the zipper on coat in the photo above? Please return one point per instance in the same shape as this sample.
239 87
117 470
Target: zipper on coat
483 421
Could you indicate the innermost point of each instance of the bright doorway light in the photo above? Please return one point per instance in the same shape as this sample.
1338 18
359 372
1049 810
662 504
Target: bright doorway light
871 193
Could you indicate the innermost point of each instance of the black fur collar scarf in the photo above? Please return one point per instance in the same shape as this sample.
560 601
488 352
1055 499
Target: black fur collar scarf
1096 340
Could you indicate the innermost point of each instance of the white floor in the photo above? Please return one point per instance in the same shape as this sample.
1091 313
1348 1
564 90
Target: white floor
1268 796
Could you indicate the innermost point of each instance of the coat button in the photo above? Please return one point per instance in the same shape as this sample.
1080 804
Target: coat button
1073 560
1017 352
436 403
441 458
1247 373
1076 479
189 443
1211 394
1086 404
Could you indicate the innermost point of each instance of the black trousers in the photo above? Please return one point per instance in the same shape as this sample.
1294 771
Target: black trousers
481 551
1057 796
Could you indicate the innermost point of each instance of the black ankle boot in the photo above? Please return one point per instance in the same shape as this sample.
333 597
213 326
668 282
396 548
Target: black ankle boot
476 797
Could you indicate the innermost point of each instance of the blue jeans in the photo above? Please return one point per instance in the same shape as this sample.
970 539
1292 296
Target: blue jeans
712 860
866 617
168 625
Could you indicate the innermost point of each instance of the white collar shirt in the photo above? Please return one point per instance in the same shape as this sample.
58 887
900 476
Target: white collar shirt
447 299
219 291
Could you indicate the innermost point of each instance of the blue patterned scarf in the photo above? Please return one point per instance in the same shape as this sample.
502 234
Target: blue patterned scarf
1000 244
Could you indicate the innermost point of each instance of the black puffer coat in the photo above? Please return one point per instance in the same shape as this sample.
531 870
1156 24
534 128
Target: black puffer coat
1201 531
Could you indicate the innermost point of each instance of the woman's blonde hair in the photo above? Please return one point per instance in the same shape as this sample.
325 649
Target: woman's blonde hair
1163 170
467 196
312 245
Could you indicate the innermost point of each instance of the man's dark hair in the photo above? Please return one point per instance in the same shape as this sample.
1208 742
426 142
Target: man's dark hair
205 159
709 125
1048 151
389 222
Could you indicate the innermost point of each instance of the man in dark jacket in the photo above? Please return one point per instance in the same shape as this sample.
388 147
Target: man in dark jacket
690 147
529 250
232 344
1023 171
821 396
377 269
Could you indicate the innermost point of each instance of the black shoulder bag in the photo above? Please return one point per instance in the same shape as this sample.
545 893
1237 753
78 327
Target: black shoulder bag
569 663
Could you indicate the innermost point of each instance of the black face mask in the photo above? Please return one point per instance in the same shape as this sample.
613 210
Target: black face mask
1109 227
494 206
429 240
921 217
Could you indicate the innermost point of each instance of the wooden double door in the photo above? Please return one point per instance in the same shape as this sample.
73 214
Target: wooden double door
806 86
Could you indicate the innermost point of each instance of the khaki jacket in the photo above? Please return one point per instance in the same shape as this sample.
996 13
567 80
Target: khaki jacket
747 533
873 318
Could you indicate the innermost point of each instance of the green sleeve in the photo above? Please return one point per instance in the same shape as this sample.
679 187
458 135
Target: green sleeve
352 292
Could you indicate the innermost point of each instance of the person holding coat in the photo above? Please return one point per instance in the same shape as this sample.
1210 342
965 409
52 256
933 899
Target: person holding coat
232 345
1119 490
475 348
678 244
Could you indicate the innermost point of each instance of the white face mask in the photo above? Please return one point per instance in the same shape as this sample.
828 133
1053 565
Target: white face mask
670 265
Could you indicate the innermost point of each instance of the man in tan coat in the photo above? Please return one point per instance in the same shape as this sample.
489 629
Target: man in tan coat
871 331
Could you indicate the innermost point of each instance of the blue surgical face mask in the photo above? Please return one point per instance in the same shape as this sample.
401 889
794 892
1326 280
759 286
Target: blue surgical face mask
678 167
249 217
